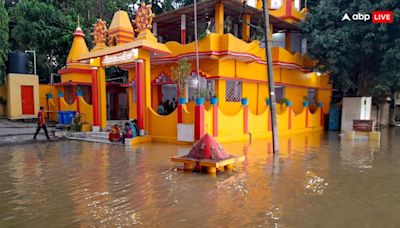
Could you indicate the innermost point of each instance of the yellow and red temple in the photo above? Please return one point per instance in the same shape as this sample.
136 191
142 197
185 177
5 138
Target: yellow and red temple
232 67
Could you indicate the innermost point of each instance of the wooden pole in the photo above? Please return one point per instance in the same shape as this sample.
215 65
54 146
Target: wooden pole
270 78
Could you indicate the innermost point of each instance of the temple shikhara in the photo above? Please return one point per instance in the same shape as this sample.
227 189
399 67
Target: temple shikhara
128 73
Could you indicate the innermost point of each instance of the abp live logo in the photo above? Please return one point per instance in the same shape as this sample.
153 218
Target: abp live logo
378 17
382 17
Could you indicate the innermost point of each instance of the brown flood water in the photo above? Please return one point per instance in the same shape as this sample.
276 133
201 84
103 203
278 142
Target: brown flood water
317 181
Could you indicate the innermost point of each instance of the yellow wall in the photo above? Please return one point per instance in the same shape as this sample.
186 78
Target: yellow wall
14 103
163 128
86 111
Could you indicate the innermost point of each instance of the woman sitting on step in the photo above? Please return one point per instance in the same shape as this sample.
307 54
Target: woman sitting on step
128 133
114 135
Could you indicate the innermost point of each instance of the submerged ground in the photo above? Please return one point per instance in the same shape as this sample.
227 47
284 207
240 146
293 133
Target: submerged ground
318 180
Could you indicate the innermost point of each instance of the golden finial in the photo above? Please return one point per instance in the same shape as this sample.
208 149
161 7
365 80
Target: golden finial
78 21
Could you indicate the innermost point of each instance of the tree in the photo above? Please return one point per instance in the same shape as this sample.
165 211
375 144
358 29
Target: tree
45 29
359 56
4 47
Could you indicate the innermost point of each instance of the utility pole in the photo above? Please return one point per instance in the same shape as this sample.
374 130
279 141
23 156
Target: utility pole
196 45
270 78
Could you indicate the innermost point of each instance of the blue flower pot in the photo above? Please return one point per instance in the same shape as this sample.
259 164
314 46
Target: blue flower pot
49 96
268 102
288 103
245 101
320 104
214 100
79 93
306 103
182 100
200 100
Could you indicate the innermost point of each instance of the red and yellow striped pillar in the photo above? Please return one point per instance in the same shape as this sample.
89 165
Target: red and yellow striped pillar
95 100
198 121
246 119
140 93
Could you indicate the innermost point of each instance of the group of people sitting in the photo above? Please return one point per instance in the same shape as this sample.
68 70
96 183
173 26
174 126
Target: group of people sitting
129 131
166 107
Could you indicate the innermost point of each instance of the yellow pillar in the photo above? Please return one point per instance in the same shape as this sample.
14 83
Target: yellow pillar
220 87
131 106
145 55
101 81
288 41
246 27
219 18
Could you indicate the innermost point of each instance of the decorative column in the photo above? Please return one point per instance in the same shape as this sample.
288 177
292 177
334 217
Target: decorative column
78 106
246 27
321 120
183 29
199 119
95 99
289 105
245 118
180 113
140 94
48 97
305 104
60 95
219 18
215 116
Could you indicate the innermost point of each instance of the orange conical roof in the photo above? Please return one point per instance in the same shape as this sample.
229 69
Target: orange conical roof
207 148
78 46
120 30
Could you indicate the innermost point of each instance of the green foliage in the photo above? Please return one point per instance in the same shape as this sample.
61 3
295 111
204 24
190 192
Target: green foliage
45 29
47 26
283 100
360 57
4 47
181 74
201 93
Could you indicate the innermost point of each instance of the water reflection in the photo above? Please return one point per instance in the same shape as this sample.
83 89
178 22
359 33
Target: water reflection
316 180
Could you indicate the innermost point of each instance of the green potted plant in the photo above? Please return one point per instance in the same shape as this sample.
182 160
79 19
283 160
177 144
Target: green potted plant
305 101
180 75
214 100
200 94
244 101
267 101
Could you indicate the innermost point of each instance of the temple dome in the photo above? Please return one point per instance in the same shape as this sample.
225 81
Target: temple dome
78 46
120 30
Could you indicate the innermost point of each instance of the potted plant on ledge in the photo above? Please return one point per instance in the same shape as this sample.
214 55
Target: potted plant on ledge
306 103
200 94
244 101
180 75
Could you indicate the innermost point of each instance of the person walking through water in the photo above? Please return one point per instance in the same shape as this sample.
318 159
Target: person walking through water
41 124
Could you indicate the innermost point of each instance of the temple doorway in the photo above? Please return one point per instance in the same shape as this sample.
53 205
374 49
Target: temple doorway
117 102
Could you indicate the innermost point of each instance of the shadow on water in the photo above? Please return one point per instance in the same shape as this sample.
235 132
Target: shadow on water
317 180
